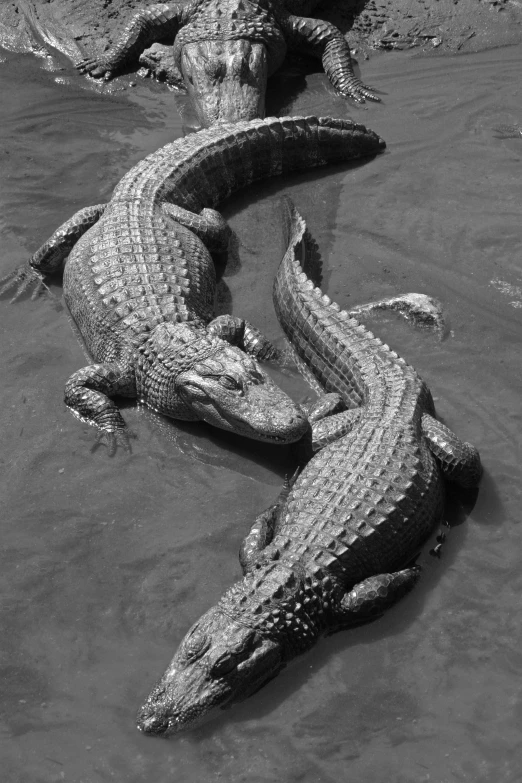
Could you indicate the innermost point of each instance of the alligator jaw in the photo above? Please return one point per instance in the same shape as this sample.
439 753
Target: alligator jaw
264 413
231 391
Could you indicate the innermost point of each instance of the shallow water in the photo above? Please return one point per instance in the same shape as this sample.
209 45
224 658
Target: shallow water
106 562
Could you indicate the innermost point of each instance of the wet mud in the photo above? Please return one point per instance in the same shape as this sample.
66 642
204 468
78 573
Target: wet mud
106 562
78 28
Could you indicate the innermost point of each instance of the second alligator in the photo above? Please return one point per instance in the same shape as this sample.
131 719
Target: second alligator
336 549
139 281
225 50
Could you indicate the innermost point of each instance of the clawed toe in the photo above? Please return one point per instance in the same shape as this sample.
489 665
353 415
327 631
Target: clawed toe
22 279
88 62
357 91
94 68
362 93
370 95
114 438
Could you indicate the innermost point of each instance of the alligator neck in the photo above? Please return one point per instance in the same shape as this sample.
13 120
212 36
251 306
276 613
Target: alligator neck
170 349
280 600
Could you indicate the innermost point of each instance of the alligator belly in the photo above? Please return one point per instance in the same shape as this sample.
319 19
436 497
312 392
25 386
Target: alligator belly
133 270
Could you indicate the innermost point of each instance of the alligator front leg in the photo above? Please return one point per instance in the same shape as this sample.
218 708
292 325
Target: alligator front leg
369 599
210 226
324 40
458 460
237 331
49 258
260 535
147 26
87 394
263 530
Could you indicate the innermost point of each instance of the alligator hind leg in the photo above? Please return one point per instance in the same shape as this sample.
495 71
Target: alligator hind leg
87 394
458 460
260 535
210 226
420 309
49 258
369 599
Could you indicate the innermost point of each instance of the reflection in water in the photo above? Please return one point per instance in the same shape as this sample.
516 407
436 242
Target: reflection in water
106 563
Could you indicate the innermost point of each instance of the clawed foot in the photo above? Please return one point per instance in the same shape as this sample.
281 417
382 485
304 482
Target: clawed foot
94 67
419 309
282 357
114 438
359 92
23 279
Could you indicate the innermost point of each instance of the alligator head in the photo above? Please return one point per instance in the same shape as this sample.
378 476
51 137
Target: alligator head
218 663
187 374
226 80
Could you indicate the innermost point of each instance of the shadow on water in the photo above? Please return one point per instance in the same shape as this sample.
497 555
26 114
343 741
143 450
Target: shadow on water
204 443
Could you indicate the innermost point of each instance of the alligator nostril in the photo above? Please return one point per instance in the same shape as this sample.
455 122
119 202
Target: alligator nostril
153 725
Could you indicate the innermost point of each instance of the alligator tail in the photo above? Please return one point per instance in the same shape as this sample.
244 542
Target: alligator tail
297 235
327 340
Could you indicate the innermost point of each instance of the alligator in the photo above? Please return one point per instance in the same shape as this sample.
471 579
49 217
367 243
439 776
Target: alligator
139 282
226 49
338 547
508 131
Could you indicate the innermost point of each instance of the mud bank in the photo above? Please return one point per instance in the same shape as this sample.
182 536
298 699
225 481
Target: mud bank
80 27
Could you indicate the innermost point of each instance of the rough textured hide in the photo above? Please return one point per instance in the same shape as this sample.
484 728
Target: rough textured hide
139 280
334 550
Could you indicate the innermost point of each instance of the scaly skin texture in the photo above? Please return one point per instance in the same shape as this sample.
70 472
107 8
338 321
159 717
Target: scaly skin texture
226 49
140 281
333 551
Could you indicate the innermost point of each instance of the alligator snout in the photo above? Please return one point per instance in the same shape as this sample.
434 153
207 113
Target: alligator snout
153 725
274 418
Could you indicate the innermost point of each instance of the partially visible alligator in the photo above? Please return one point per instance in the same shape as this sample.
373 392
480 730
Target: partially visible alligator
508 131
226 49
336 549
139 281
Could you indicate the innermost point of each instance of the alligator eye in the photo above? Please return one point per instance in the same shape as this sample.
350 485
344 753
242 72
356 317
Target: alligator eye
194 391
223 665
194 647
229 382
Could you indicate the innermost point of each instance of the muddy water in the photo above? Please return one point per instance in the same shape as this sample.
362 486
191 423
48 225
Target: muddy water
106 562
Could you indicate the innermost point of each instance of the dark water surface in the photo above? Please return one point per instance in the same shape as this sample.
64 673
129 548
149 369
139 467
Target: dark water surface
106 562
